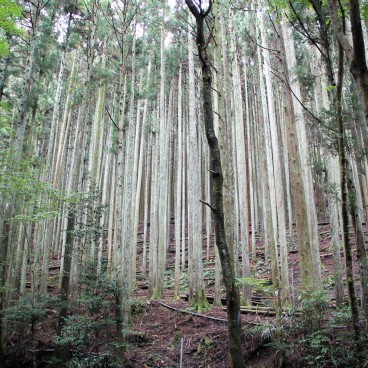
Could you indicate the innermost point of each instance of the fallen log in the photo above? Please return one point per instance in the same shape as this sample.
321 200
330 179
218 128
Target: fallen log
256 300
269 311
192 313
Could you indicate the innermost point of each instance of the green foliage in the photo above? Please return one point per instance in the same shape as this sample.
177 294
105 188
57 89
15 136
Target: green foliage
89 227
331 189
98 289
316 349
313 309
169 280
264 328
342 317
204 344
91 319
364 9
307 342
20 185
103 75
9 12
30 309
91 361
209 276
258 285
5 126
149 92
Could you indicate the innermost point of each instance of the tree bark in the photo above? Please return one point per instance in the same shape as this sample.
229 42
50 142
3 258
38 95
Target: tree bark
360 241
355 53
65 281
232 292
277 168
344 201
301 191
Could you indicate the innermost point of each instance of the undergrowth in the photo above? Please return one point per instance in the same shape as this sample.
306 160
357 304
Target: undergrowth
316 337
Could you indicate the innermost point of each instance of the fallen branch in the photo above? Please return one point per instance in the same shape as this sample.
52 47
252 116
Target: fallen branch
192 313
202 315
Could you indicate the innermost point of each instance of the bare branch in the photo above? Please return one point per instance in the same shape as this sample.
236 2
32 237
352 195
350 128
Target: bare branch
256 43
307 34
316 118
208 10
207 204
193 9
112 120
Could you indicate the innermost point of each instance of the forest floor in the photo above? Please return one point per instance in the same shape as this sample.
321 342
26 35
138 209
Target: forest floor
167 325
165 332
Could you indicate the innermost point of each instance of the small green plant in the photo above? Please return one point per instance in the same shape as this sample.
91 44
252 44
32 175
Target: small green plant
169 279
316 349
21 322
310 344
265 329
261 286
30 309
92 361
92 318
313 310
89 229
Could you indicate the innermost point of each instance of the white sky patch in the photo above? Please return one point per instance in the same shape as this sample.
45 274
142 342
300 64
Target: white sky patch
168 38
172 3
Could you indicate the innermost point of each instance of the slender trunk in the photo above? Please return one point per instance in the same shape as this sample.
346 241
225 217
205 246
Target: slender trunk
333 167
344 201
179 191
310 272
163 181
354 53
360 241
232 292
194 192
148 176
21 121
242 176
226 139
3 269
277 169
64 291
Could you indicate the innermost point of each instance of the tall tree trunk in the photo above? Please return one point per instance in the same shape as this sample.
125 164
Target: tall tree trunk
232 292
277 164
344 200
199 300
305 228
355 54
163 217
226 139
359 239
21 121
269 195
65 281
179 189
4 245
242 175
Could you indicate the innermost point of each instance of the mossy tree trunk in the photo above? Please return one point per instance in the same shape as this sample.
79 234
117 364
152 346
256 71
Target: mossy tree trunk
360 240
232 291
344 200
355 53
62 352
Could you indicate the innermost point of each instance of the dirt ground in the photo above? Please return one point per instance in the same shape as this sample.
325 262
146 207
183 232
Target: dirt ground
167 324
167 333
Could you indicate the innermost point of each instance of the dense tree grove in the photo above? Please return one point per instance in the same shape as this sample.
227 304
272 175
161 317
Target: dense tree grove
222 132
